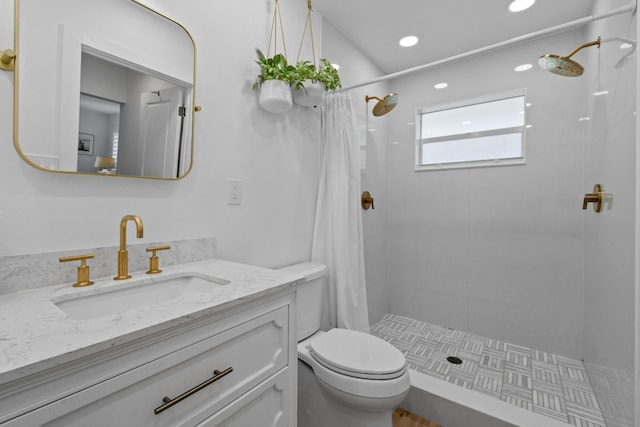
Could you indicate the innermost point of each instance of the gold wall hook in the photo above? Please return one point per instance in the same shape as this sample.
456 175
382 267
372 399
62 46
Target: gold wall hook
83 270
366 201
8 59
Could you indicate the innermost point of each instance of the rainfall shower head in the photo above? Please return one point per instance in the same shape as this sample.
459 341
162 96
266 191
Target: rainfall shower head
383 106
564 65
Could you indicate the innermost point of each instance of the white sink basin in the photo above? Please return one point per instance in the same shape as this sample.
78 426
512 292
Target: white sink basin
136 294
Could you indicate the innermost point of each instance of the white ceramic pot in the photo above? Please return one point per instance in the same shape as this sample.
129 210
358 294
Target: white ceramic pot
310 95
275 96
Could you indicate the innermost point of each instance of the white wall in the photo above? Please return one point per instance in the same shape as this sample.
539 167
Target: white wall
276 157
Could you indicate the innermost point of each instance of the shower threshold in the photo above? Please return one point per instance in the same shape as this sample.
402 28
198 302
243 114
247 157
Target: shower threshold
544 383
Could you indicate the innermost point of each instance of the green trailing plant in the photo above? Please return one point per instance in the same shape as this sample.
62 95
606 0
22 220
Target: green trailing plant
275 68
306 71
328 75
325 73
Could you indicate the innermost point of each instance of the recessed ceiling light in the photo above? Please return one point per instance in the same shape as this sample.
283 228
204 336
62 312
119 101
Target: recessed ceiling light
529 126
466 122
408 41
600 93
584 119
523 67
441 85
528 104
520 5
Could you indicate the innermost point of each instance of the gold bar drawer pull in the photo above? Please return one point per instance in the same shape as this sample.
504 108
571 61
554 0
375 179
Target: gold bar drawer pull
168 402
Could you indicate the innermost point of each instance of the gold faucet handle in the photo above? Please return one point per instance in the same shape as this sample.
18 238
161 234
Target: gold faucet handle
83 270
154 261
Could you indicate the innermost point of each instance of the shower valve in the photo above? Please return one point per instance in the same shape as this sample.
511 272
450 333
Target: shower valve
367 201
596 198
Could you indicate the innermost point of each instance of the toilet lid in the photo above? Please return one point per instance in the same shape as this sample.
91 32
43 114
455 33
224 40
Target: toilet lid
358 354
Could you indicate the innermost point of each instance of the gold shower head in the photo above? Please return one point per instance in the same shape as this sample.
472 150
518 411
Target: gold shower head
564 65
383 106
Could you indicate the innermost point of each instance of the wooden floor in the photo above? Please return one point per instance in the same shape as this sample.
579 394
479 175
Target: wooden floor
402 418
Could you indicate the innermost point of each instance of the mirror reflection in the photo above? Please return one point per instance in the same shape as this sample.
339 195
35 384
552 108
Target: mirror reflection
108 99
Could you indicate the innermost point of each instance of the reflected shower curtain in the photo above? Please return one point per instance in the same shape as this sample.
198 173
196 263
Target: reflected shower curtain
337 234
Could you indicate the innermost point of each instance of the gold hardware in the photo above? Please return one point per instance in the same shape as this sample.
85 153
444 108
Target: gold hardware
154 263
383 106
83 270
366 201
197 108
123 254
596 198
8 59
168 402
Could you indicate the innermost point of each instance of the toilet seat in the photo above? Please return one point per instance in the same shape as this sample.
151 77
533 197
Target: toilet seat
358 354
389 380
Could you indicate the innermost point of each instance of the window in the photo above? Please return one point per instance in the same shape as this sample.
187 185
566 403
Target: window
481 132
114 145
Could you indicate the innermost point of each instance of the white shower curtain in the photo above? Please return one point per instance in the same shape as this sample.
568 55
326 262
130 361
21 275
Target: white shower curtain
337 234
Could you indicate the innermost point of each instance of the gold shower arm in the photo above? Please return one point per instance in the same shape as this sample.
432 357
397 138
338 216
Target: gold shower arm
597 42
369 98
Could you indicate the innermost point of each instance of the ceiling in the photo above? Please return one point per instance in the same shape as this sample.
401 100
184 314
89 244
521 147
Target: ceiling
444 27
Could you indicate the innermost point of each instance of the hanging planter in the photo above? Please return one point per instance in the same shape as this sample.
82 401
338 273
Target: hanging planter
276 75
275 96
275 80
313 81
309 94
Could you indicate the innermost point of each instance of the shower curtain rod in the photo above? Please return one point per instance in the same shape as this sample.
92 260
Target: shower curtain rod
631 7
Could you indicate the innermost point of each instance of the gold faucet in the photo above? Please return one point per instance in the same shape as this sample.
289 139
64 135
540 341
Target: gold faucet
123 255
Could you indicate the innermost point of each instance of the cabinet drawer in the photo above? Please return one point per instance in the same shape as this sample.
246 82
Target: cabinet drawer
266 406
255 350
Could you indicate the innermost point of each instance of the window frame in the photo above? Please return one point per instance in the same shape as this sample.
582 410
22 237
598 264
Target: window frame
419 141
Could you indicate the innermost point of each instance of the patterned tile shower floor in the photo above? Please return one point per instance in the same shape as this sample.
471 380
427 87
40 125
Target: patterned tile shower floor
542 382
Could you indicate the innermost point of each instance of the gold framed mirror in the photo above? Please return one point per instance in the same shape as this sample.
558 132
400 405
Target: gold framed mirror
103 87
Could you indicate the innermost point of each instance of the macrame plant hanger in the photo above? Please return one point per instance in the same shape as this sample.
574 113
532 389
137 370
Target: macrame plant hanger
311 92
275 95
308 25
273 34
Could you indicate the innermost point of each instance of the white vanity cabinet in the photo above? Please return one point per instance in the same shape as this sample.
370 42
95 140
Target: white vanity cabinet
232 370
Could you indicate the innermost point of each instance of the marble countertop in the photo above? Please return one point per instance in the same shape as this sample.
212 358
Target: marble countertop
35 334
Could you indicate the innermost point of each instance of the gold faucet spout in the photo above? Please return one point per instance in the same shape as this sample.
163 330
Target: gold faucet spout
123 254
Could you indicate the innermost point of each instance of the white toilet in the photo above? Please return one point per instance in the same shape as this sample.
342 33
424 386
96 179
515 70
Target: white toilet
345 377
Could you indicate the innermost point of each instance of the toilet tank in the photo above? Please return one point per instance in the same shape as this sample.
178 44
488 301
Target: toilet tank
308 296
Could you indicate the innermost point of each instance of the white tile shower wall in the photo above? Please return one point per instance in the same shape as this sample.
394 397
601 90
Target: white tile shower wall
495 251
21 272
609 246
